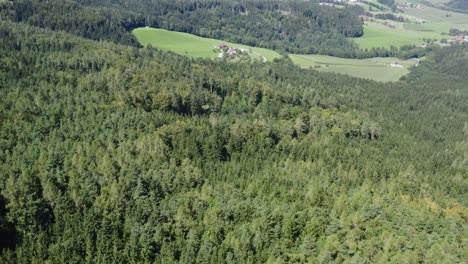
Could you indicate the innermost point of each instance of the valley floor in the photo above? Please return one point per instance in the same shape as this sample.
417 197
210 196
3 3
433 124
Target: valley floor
378 69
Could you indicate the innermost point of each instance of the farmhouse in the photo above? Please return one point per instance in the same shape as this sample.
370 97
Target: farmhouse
401 6
461 39
395 64
364 17
226 51
232 51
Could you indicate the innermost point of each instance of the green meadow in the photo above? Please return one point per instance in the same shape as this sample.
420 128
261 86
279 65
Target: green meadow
191 45
439 20
424 22
436 15
378 35
378 69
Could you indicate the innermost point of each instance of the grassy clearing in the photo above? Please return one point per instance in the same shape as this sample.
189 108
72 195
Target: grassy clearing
418 27
191 45
435 15
378 35
425 22
437 19
439 2
378 69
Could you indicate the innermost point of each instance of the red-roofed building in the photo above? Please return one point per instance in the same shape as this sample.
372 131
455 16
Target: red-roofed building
364 17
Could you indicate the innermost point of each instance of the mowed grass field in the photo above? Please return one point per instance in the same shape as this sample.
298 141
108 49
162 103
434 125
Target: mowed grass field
425 22
191 45
377 35
377 69
436 15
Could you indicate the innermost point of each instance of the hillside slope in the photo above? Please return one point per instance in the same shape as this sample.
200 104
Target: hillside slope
290 26
115 154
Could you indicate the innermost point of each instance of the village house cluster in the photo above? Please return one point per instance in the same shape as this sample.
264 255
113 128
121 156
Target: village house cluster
363 17
408 5
461 39
339 2
226 51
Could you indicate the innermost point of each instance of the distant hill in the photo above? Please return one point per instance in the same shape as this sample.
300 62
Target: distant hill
458 4
291 26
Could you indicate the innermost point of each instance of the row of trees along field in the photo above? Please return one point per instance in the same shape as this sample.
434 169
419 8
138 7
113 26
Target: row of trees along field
286 26
116 154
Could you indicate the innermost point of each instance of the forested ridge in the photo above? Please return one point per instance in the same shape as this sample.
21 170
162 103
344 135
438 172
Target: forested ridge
110 153
94 23
458 5
291 26
285 26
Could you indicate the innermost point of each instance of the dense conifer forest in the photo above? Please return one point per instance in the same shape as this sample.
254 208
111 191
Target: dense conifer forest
286 26
292 26
114 153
